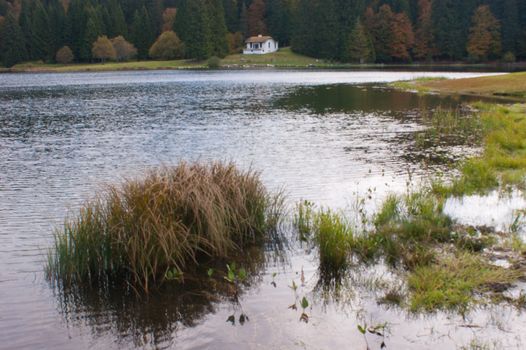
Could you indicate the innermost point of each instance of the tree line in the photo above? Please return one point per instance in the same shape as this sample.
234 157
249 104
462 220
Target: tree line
340 30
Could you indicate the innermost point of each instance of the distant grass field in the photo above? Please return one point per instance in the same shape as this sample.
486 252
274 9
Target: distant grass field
284 58
511 85
109 66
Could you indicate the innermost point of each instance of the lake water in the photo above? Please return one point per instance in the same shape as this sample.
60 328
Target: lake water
326 136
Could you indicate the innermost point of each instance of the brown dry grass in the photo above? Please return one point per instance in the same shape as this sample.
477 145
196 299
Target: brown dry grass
508 85
170 220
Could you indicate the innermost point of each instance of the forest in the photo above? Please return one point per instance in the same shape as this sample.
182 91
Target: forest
358 31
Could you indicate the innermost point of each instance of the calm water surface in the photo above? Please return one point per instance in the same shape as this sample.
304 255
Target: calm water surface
324 136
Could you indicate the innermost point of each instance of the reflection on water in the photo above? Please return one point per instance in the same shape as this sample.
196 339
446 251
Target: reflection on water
365 99
62 136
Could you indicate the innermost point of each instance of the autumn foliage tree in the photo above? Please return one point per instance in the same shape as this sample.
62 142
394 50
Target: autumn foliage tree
169 15
423 49
103 49
168 46
402 38
484 36
256 18
124 50
64 55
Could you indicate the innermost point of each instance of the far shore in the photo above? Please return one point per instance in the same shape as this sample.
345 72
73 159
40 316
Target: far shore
283 59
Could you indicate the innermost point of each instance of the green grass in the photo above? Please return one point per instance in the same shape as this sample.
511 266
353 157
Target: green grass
304 220
452 282
334 237
416 85
171 220
284 58
503 161
108 66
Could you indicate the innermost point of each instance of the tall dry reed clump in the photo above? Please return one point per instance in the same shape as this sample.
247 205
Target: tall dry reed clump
170 220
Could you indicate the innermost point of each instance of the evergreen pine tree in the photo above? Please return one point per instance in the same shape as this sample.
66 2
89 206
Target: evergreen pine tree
76 28
218 30
193 28
41 43
360 45
243 19
13 42
142 34
57 25
118 22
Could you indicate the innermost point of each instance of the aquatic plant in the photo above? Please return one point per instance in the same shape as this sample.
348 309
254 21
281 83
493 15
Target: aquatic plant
171 220
303 219
333 237
451 282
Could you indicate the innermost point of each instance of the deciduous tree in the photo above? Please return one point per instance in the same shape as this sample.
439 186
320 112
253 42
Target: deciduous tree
402 38
64 55
103 49
169 15
124 50
256 18
484 36
167 47
423 49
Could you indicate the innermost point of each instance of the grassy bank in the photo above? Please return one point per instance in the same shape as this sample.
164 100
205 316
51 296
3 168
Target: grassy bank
170 223
511 86
284 58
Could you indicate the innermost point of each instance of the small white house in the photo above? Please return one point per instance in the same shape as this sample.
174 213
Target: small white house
260 45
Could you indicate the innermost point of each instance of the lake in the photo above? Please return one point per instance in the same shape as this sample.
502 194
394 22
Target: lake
326 136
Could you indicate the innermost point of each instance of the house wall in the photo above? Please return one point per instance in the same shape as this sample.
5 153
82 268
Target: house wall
268 46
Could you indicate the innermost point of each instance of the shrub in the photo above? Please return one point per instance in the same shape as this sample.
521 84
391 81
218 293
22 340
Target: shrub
64 55
509 57
214 62
173 219
167 47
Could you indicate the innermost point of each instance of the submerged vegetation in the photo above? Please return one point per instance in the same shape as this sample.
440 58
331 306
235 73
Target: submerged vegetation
164 225
445 265
503 160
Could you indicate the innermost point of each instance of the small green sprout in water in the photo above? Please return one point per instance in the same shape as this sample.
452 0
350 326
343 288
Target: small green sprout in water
234 276
173 275
304 305
273 283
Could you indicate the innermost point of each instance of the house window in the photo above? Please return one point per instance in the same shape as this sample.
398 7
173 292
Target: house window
269 44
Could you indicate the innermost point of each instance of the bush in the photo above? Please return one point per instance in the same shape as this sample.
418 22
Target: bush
173 219
167 47
509 57
64 55
214 62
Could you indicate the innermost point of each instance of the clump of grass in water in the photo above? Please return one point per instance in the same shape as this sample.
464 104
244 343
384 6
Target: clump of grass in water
451 282
303 219
170 220
330 232
449 127
333 236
